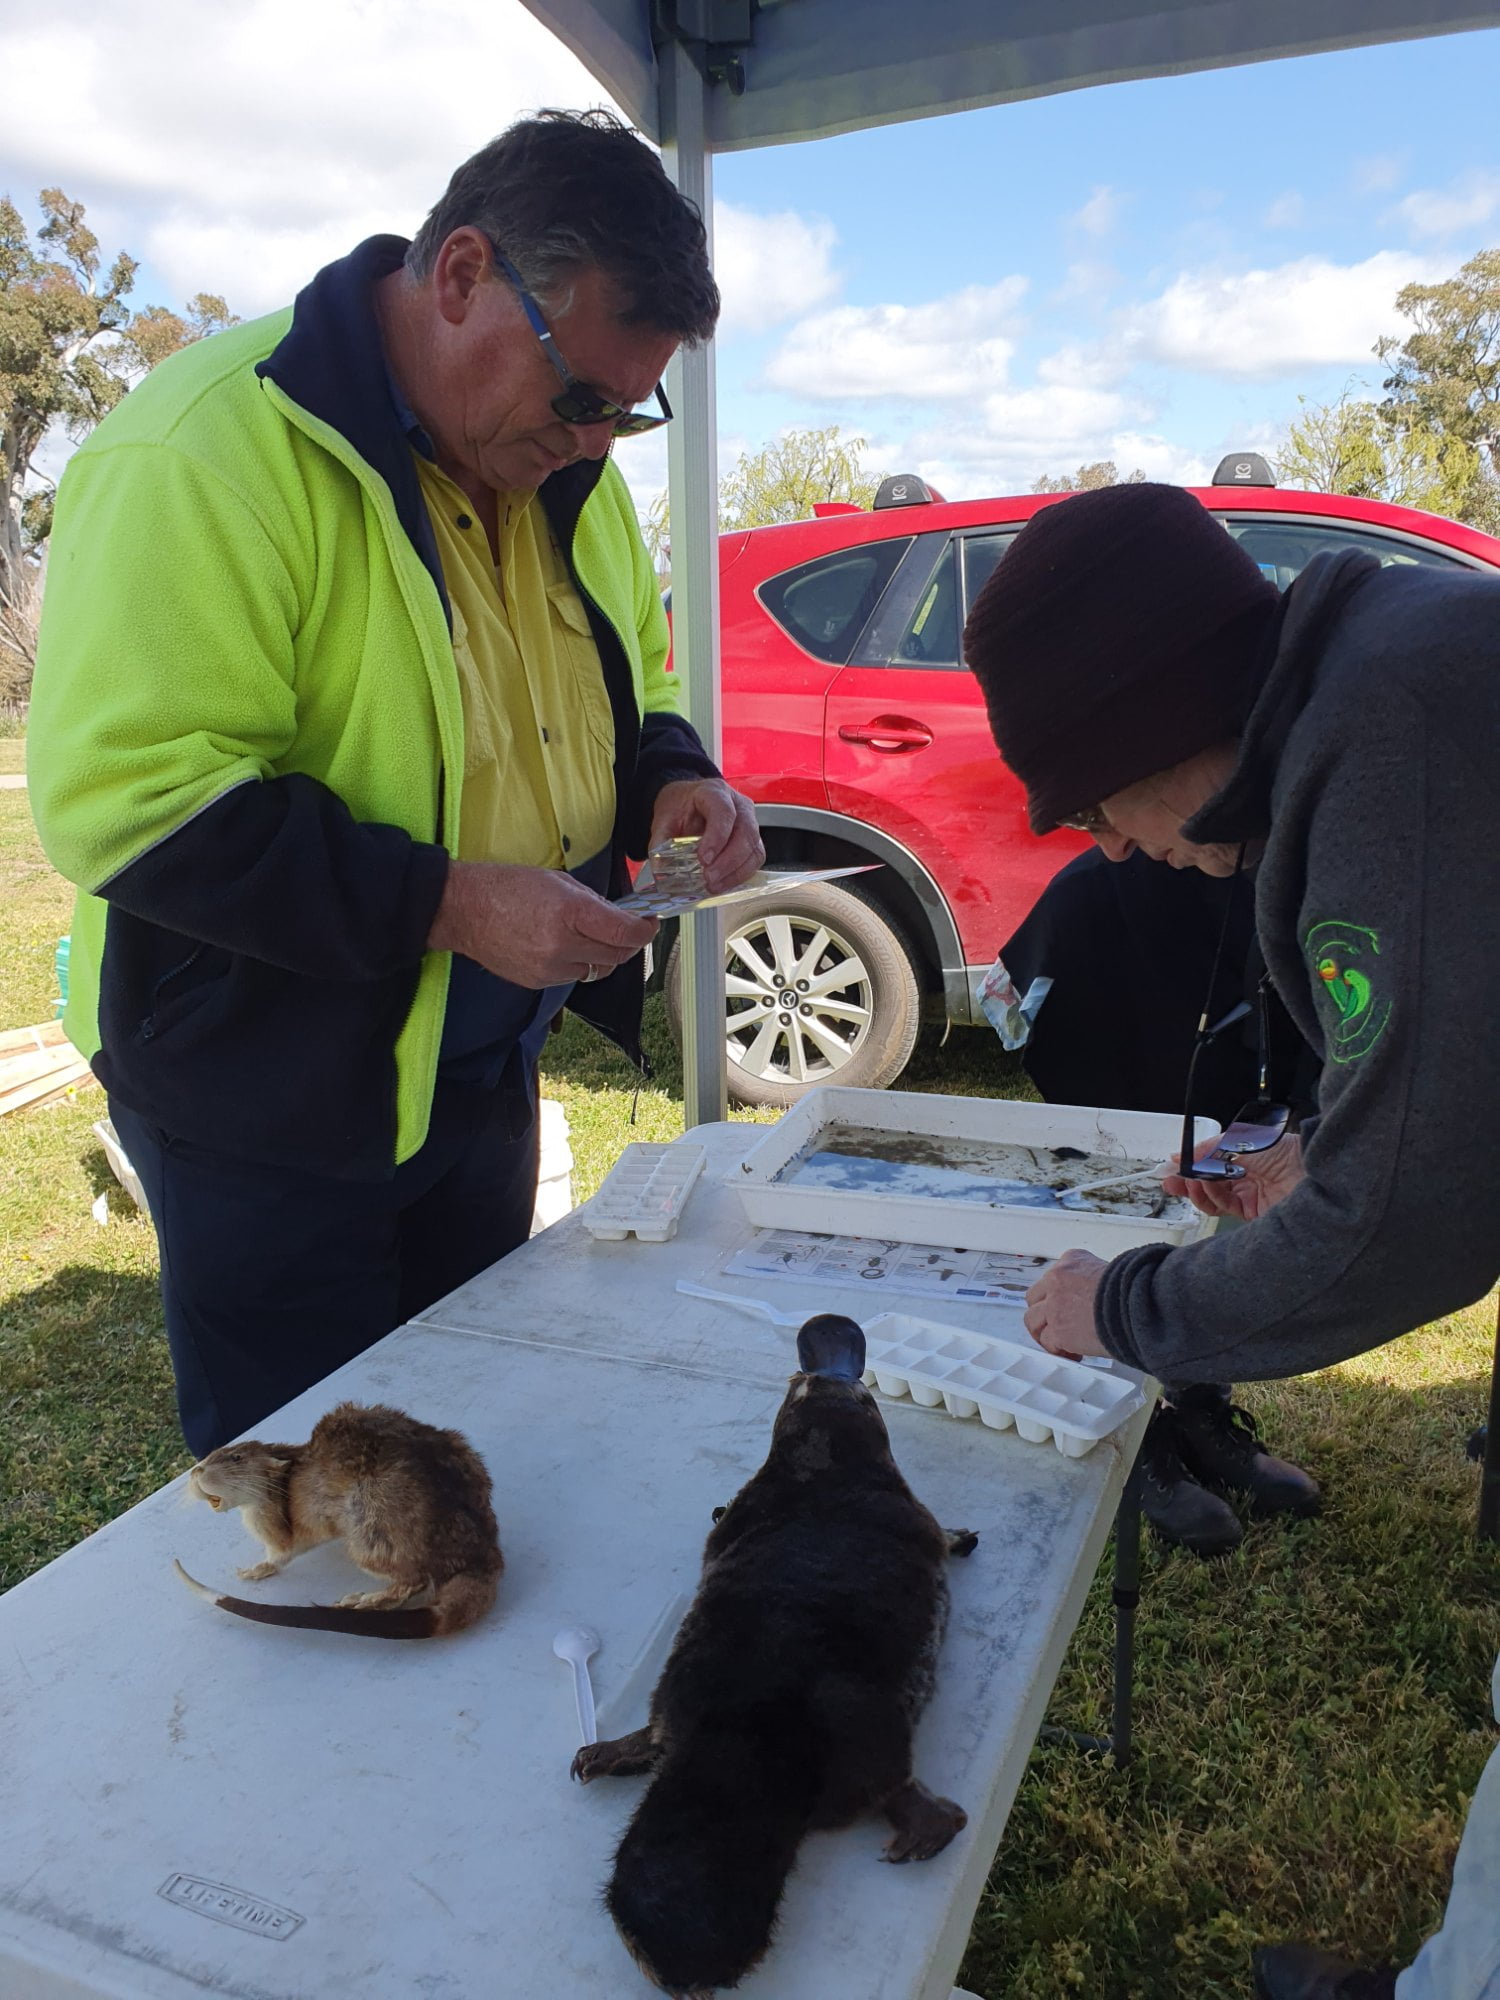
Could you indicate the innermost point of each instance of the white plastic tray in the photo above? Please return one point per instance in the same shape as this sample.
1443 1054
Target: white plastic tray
644 1193
1002 1384
1106 1137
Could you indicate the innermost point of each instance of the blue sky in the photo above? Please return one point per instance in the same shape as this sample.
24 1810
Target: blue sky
1170 261
1151 272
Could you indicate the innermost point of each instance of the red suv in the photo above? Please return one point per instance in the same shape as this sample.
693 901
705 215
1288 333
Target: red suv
851 722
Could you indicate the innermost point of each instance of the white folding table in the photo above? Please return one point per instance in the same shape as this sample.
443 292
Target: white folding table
190 1804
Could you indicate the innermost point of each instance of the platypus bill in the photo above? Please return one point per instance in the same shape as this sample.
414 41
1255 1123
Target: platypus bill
793 1688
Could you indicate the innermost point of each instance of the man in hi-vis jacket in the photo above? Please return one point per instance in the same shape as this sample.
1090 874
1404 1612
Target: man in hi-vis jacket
350 704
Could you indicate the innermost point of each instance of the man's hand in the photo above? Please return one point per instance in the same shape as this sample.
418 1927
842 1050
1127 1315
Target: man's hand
1060 1306
1269 1177
533 926
729 844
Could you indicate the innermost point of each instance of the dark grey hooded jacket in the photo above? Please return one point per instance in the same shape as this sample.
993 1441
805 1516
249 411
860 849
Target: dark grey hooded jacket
1370 766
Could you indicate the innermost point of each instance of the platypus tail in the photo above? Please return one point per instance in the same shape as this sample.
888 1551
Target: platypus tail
456 1603
698 1877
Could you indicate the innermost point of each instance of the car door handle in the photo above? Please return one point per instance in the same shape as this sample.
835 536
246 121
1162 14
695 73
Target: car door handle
890 733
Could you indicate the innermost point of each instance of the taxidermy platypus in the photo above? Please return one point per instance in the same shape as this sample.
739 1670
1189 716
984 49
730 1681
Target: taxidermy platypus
792 1691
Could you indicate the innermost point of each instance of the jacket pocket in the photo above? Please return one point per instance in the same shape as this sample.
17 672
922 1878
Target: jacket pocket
182 987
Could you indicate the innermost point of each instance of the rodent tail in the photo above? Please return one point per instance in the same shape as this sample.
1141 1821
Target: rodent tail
419 1624
698 1877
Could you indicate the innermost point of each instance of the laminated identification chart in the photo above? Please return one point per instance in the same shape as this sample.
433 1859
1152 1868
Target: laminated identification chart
978 1277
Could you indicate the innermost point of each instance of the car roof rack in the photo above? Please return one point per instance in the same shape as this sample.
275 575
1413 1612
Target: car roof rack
1240 468
904 489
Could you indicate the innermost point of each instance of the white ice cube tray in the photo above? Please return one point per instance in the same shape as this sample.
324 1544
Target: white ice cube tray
644 1193
1001 1384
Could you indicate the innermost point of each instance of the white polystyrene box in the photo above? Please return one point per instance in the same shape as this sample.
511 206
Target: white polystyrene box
554 1185
1103 1134
119 1163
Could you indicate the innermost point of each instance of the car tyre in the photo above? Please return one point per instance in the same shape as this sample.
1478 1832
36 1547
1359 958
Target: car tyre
822 988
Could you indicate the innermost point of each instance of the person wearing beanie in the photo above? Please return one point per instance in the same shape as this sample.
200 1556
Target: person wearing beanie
1341 741
1147 684
1152 679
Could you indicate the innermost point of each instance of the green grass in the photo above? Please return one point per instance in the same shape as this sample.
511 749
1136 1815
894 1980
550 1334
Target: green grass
12 755
1312 1713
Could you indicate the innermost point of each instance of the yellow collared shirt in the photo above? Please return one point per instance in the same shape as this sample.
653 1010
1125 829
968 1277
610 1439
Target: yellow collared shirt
539 736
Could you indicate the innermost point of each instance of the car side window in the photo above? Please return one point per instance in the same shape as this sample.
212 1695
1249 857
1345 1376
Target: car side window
933 631
825 604
981 553
1285 546
931 635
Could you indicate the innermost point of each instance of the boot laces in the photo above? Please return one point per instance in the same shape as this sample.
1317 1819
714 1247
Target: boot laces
1242 1427
1225 1429
1162 1464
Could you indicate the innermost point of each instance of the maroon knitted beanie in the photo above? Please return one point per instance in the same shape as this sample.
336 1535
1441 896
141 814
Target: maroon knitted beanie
1118 636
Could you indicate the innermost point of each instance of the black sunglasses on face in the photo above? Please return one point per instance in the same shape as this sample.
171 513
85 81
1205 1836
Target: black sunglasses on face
1255 1127
579 403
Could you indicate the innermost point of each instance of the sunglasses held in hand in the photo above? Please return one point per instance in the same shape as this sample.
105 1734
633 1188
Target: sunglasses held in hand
1254 1128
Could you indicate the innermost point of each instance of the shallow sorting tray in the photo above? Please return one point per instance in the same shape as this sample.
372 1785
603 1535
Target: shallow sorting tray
644 1193
1001 1384
773 1198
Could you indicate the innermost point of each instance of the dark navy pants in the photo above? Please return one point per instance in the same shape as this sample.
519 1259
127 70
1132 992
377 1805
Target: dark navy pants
271 1278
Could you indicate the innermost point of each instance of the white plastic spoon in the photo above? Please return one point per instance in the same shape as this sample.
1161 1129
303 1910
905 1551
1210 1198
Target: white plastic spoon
759 1307
577 1644
1121 1180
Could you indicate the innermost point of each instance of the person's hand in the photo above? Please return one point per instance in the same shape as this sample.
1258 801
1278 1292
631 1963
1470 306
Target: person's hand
1269 1177
729 844
533 926
1060 1306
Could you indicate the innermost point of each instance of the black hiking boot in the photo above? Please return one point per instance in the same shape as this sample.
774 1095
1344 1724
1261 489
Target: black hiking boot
1299 1972
1220 1446
1176 1506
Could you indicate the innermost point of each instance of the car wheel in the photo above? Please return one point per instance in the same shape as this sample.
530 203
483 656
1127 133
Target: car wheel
820 988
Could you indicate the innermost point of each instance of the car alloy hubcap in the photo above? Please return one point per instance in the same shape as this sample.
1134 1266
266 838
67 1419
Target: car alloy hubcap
800 1001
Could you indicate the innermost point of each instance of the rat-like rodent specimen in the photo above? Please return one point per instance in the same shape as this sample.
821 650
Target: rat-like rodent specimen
410 1503
793 1688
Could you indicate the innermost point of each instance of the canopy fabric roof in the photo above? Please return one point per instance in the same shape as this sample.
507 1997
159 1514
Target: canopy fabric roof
816 67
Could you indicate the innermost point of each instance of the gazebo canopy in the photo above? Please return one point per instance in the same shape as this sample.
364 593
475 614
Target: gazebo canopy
814 67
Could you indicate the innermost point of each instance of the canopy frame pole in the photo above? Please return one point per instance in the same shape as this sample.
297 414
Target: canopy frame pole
693 495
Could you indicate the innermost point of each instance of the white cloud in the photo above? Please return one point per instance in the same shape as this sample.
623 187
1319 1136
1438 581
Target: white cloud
643 460
989 465
1059 419
1377 173
1158 458
1087 280
1100 214
1260 324
1286 212
1019 434
950 347
1097 367
192 137
1469 204
770 267
193 142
